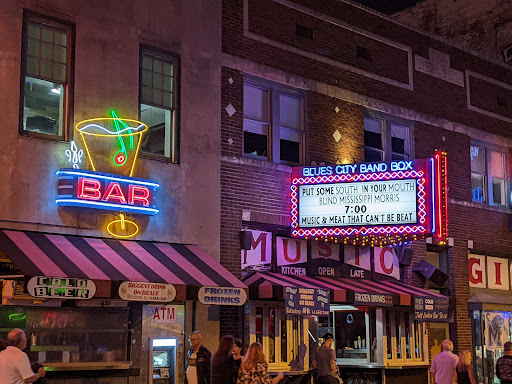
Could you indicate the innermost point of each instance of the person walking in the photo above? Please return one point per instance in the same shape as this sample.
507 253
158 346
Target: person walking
254 368
198 368
465 369
444 365
504 365
223 363
325 362
14 363
237 356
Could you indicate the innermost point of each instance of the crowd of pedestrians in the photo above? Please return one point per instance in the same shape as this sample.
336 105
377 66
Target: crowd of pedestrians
229 365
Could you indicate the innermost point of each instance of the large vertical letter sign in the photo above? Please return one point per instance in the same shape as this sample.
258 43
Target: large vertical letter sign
292 255
386 262
260 254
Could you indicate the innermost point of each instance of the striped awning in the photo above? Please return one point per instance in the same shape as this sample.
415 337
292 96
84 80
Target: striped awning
187 267
269 285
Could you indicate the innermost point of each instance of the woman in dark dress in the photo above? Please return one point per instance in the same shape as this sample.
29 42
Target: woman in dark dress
238 356
465 369
223 364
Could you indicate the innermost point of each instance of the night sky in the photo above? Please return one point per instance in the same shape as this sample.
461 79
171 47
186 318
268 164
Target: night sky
388 6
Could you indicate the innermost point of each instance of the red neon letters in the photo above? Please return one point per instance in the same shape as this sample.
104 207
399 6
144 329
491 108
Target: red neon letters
112 192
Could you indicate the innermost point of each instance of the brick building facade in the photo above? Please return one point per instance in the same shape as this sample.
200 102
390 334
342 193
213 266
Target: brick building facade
350 63
481 26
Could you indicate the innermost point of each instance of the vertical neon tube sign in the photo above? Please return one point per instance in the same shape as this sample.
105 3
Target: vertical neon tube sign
441 201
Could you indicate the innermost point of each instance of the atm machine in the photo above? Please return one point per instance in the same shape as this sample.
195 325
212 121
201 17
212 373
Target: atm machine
163 360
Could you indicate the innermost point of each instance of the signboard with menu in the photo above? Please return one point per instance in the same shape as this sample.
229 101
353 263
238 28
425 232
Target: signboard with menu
433 309
307 301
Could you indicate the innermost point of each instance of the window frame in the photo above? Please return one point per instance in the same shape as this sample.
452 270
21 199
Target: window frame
278 364
488 177
275 90
69 27
386 121
418 334
176 112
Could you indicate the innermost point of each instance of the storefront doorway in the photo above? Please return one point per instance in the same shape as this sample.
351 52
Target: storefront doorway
491 330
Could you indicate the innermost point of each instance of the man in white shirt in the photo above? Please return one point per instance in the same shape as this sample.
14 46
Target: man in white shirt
444 365
14 363
198 366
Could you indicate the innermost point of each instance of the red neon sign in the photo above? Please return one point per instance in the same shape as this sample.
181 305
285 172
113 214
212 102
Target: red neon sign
89 189
112 192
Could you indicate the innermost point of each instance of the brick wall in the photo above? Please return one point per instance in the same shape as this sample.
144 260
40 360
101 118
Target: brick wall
261 188
276 45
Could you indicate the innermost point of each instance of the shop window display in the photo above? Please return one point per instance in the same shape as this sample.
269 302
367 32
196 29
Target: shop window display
350 334
491 330
58 337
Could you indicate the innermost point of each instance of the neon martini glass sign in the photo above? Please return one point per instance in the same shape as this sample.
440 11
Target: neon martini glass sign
112 145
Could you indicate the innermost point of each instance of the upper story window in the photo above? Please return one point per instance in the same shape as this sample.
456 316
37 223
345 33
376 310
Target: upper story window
46 75
158 103
386 138
488 175
273 123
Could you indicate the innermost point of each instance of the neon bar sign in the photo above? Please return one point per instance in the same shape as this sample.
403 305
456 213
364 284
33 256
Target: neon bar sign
104 191
371 203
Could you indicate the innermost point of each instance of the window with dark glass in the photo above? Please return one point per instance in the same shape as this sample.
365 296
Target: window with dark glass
350 333
158 103
478 173
273 122
46 71
488 175
386 138
271 335
259 325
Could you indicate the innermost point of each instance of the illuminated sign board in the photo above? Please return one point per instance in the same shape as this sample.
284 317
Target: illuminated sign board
371 203
61 288
104 191
112 145
364 203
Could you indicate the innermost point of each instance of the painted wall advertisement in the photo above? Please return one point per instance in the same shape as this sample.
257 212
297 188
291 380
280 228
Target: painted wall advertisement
307 301
434 309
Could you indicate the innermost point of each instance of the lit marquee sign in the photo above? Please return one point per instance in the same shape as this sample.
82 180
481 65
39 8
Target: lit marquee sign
371 203
112 145
111 192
